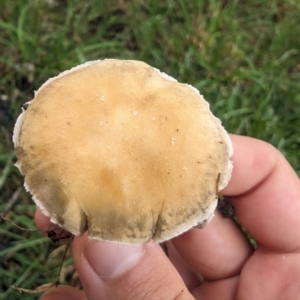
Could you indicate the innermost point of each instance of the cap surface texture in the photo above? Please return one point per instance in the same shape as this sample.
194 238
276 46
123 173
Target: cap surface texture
122 150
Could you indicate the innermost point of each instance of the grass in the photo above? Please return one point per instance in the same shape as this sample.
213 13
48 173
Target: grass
244 56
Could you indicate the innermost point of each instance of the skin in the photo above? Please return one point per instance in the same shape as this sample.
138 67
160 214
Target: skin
265 192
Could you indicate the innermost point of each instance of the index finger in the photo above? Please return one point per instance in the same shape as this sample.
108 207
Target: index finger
265 192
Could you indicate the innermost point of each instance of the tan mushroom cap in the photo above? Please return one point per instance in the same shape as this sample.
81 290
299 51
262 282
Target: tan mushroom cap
123 151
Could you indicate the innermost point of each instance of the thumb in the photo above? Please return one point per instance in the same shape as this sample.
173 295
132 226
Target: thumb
113 271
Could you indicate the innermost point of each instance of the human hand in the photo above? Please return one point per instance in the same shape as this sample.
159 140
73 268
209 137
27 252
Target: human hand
265 192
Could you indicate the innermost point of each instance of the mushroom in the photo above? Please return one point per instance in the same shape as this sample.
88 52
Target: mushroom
119 149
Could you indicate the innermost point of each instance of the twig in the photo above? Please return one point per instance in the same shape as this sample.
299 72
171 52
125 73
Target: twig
11 202
64 257
14 224
5 172
39 289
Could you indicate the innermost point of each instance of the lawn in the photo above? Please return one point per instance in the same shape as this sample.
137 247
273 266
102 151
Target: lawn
243 56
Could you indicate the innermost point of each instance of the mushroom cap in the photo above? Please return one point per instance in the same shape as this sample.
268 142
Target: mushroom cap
122 150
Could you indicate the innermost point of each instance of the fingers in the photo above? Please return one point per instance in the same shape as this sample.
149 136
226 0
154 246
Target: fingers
190 278
224 289
109 270
262 184
63 293
269 276
42 222
114 271
217 251
265 191
220 249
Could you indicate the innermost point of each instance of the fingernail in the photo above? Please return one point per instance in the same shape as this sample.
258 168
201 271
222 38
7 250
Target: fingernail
110 259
